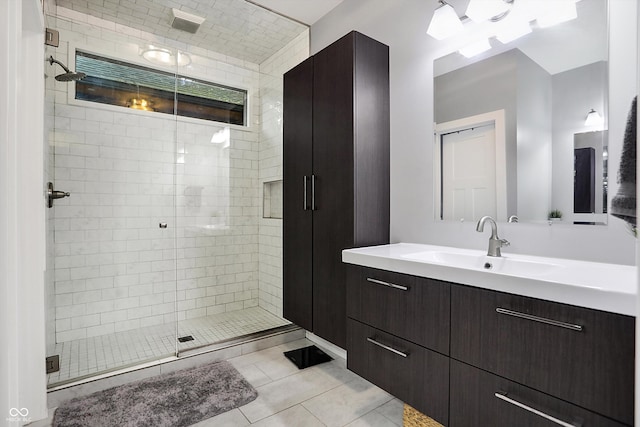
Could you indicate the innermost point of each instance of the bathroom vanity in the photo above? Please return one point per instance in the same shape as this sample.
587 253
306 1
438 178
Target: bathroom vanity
472 340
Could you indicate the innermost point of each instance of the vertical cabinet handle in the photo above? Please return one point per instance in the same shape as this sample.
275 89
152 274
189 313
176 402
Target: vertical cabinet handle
304 189
503 396
313 192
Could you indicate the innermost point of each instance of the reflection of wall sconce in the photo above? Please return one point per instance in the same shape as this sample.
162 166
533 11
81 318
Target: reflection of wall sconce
140 104
593 119
221 136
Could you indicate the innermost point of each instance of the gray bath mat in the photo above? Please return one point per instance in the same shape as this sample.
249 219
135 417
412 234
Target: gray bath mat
175 399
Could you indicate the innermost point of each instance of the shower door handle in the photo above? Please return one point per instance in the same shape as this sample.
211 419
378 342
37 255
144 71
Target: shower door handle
53 194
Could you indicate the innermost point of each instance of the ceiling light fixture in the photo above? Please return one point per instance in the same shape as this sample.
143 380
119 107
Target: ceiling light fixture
507 20
513 28
488 10
165 57
445 22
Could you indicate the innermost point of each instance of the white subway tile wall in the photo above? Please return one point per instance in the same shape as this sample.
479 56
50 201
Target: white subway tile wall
270 230
129 171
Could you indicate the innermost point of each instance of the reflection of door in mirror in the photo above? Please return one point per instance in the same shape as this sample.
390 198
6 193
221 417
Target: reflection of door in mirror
584 180
590 178
470 168
469 174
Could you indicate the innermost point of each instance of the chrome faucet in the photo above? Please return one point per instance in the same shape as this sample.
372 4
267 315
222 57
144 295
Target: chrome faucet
495 243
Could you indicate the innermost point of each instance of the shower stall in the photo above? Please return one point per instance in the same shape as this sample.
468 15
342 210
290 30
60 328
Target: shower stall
171 154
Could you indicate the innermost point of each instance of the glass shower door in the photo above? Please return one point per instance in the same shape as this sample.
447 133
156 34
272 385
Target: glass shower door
114 238
219 204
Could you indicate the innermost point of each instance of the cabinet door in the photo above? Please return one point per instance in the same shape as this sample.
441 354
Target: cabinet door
371 129
583 356
333 218
413 374
297 216
479 398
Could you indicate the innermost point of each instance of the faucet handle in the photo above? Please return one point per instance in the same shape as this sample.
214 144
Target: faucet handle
504 242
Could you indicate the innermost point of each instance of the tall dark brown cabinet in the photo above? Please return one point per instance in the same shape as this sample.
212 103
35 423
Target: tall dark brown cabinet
336 176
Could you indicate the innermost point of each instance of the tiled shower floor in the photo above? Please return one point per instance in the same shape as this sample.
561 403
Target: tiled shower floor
89 356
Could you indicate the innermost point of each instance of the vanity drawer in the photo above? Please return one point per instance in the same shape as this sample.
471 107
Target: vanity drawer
580 355
479 398
414 374
414 308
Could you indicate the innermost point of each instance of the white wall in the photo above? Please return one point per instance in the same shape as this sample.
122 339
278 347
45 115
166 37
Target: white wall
534 157
22 217
402 25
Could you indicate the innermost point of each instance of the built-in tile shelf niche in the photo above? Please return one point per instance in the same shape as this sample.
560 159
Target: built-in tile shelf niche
272 199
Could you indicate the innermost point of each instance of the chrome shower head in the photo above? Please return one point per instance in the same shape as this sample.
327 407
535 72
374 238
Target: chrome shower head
68 76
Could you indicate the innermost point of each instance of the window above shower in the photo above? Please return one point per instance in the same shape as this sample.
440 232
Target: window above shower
128 85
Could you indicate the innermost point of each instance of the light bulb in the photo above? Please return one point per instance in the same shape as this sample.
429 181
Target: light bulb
444 23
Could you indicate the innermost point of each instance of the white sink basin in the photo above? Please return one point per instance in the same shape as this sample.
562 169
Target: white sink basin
506 264
608 287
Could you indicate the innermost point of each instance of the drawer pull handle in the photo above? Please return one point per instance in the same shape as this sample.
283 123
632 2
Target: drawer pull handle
387 284
540 319
503 396
386 347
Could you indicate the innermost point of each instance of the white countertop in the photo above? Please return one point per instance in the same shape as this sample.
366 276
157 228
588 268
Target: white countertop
607 287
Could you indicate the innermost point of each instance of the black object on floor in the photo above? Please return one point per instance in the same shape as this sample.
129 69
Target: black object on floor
185 338
307 356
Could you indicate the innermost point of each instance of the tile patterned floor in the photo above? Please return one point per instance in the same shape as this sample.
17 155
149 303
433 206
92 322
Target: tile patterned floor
325 395
89 356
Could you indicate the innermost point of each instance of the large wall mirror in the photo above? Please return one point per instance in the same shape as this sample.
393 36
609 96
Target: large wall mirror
521 129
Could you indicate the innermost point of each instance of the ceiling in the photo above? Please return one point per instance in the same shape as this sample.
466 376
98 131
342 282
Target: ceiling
306 11
236 28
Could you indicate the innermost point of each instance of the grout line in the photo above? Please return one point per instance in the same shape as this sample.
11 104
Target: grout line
114 351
